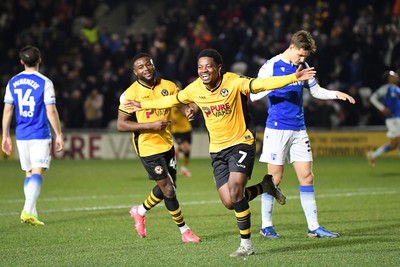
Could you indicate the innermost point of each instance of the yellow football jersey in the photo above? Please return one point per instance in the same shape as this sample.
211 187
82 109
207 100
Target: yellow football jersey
224 108
180 123
150 142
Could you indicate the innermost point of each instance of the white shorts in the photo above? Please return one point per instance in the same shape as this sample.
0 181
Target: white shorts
279 145
34 153
393 126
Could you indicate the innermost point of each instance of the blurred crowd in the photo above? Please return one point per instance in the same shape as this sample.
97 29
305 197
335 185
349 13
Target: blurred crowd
357 42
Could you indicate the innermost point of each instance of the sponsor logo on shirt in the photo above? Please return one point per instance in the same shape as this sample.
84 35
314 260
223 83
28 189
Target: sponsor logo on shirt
217 110
157 112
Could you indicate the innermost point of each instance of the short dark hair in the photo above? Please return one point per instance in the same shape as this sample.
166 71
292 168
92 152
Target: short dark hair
214 54
139 55
30 55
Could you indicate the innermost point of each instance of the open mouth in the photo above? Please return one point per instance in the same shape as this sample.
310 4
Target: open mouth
205 77
148 75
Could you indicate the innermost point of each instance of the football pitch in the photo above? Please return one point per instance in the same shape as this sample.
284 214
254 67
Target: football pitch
85 205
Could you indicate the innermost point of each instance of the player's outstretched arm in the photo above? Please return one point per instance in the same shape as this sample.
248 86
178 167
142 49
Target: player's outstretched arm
125 124
162 102
132 105
275 82
344 97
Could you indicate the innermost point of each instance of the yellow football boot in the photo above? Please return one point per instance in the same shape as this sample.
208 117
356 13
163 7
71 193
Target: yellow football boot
30 219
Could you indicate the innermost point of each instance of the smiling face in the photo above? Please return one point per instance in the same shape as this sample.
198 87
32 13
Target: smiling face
144 69
208 71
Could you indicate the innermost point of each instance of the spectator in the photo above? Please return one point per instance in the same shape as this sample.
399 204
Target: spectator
94 109
342 28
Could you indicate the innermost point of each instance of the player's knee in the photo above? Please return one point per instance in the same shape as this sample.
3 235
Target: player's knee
226 199
227 204
307 179
168 191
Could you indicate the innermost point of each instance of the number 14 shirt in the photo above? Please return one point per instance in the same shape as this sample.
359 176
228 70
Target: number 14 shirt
30 92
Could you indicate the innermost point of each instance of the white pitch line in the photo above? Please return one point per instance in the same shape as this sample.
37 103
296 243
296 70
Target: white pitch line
93 197
187 203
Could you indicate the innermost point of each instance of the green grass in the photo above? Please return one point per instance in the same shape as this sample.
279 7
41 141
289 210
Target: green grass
85 207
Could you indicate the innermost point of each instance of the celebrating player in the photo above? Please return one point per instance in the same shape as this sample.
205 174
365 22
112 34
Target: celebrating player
33 95
285 134
153 144
222 99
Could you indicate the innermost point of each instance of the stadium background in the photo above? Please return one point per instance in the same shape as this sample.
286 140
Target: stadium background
87 47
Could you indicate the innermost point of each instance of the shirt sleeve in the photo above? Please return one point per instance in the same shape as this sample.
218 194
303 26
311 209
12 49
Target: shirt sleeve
49 93
163 102
322 93
8 99
122 100
264 72
270 83
376 97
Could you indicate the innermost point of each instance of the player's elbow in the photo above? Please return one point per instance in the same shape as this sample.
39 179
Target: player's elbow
121 126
